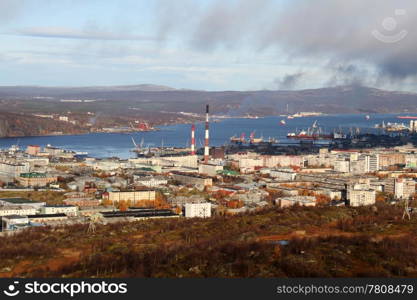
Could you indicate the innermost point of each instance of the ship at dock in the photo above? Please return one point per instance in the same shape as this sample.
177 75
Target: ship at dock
141 150
313 133
252 140
392 127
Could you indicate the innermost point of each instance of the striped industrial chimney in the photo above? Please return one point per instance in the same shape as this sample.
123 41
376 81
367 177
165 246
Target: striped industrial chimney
206 141
193 139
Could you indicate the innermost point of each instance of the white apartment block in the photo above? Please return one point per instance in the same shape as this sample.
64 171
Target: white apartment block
404 188
150 181
361 197
17 210
132 196
198 210
69 210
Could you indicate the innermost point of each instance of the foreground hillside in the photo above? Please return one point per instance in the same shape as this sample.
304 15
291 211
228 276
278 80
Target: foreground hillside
322 242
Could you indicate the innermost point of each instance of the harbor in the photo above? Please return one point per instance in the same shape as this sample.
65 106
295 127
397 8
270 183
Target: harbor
102 145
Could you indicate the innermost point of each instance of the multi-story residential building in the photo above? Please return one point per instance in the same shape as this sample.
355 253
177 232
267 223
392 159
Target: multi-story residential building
135 197
188 161
283 174
404 188
150 181
209 169
13 169
297 200
271 161
53 151
199 210
371 163
33 150
17 210
192 179
69 210
361 197
342 165
391 159
358 166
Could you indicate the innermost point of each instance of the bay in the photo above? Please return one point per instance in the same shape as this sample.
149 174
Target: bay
120 144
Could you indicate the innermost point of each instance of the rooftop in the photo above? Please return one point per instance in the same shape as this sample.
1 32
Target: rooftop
18 200
59 205
14 217
33 175
46 216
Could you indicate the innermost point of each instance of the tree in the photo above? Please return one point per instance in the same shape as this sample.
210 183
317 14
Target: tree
123 206
322 199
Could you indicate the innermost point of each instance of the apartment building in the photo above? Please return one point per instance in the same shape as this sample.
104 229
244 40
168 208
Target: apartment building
404 188
135 197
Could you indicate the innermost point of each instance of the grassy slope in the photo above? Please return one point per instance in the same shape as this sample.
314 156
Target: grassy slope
323 242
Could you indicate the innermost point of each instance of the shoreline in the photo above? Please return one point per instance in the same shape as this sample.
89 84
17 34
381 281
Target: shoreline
216 119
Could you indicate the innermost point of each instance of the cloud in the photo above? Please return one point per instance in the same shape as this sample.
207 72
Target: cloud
349 74
10 9
337 32
342 31
86 34
289 81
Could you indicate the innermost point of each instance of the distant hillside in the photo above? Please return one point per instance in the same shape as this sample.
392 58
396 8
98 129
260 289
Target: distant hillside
14 125
34 91
159 105
154 98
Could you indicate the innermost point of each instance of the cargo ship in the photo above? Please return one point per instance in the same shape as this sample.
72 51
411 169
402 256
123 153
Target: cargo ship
238 140
252 139
392 127
312 133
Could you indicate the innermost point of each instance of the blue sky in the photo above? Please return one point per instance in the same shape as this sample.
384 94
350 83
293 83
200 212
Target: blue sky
210 44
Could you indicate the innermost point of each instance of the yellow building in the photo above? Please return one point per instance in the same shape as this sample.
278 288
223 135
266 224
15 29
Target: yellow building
132 196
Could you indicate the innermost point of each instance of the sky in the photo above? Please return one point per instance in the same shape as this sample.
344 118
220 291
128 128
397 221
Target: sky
210 44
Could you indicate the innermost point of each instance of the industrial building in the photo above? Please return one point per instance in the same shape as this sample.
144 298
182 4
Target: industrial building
140 213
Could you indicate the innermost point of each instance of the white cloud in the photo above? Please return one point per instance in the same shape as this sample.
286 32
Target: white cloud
86 34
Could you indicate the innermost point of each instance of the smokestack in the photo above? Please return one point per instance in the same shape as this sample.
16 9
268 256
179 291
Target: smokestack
206 142
193 139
